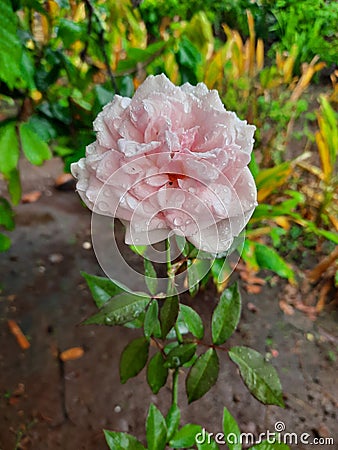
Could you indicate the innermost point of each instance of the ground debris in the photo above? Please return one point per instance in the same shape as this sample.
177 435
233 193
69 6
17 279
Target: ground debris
20 337
31 197
71 354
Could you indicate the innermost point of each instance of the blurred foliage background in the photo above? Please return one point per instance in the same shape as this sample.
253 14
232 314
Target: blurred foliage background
273 63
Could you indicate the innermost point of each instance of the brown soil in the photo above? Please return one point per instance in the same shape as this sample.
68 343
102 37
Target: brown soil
46 404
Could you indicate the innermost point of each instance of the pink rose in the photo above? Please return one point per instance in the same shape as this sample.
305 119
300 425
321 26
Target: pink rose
171 159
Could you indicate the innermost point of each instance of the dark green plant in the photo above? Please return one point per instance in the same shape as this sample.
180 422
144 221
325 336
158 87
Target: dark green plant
309 24
59 69
220 11
172 344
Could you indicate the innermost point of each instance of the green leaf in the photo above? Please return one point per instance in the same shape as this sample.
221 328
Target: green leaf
9 148
34 148
133 358
137 55
220 270
101 288
80 103
209 444
138 249
260 377
188 55
10 47
253 165
62 151
248 254
265 445
33 4
173 420
150 276
152 326
273 177
119 310
157 373
5 243
156 429
126 88
14 186
265 211
188 59
180 355
191 362
6 215
168 314
197 270
202 375
28 69
185 437
136 323
103 95
168 347
230 427
122 441
268 258
70 31
182 244
193 321
226 315
43 127
199 31
331 236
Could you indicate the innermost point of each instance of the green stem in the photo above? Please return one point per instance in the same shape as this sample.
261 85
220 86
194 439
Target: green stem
174 400
170 273
168 258
178 334
171 277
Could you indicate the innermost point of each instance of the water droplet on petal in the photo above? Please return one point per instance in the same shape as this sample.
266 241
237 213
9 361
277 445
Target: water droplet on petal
108 164
178 221
103 206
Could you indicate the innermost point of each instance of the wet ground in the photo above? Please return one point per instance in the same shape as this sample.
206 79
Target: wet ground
49 404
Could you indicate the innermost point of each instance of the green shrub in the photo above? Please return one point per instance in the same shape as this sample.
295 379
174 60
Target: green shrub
311 25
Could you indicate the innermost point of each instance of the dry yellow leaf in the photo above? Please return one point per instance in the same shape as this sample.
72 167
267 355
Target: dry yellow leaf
18 334
71 353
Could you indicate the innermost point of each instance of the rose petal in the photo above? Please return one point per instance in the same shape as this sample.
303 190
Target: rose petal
172 158
104 124
150 237
131 148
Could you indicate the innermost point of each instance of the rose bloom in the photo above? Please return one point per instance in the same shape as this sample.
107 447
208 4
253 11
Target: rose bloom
170 160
